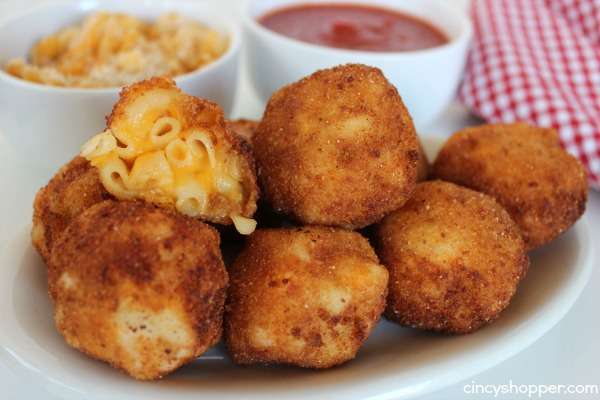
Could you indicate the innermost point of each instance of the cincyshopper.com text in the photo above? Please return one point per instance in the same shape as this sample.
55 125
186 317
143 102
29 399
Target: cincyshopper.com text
529 390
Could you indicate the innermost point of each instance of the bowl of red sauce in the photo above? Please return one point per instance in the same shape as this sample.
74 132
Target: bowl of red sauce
420 45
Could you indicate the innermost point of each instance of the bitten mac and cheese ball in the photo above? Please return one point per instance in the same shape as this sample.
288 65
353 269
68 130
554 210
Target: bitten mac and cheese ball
74 188
305 296
525 169
168 148
455 258
337 148
138 286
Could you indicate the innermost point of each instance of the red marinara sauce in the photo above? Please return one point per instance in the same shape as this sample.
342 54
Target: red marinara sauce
354 26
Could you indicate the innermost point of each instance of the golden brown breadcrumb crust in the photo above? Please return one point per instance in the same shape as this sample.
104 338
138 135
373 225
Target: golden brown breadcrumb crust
543 188
303 296
422 164
244 128
201 113
337 148
74 188
454 256
148 261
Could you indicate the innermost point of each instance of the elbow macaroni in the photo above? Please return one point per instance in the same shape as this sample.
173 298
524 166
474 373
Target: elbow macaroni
201 146
164 131
178 154
115 178
99 145
244 225
168 164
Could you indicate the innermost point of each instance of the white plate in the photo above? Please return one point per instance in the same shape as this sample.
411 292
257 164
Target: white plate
395 363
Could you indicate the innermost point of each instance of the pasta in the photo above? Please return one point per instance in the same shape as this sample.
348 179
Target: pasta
191 199
201 146
245 226
114 49
178 154
115 176
154 149
99 145
227 184
151 171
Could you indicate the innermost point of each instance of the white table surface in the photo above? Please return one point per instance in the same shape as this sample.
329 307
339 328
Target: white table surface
569 354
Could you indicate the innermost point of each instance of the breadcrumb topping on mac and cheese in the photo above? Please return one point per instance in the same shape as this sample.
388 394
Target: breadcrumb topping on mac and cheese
114 49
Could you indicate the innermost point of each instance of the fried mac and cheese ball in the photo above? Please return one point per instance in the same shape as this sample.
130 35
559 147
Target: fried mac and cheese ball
138 286
337 148
74 188
455 258
543 188
175 150
308 297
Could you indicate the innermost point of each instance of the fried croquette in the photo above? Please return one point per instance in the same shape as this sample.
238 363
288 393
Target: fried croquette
337 148
175 150
74 188
303 296
455 258
244 128
138 286
543 188
422 164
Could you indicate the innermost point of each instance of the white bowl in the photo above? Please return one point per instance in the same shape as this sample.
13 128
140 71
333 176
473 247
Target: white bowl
426 79
54 122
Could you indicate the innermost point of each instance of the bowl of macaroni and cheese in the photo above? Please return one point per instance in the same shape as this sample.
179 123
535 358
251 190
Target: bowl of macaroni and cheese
62 65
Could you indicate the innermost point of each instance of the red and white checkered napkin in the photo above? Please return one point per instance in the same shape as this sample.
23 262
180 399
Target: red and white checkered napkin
539 61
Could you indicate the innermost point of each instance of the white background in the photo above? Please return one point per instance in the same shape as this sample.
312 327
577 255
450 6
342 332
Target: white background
568 354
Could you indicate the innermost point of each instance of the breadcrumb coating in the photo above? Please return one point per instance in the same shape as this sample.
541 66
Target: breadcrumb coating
138 287
308 297
244 128
74 188
337 148
455 258
525 169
